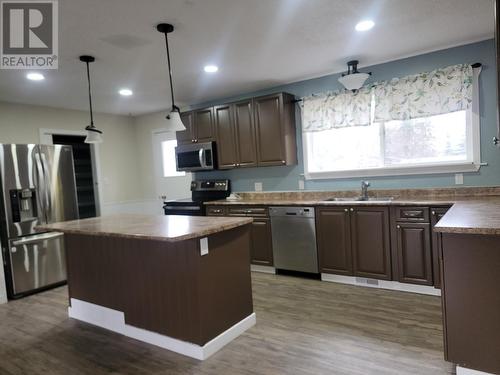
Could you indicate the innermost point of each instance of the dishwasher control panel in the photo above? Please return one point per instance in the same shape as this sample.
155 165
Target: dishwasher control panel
292 211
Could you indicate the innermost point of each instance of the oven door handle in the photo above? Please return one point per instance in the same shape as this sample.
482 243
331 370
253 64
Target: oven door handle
201 156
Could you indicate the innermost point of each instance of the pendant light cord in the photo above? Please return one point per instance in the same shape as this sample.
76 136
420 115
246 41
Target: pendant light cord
90 97
174 107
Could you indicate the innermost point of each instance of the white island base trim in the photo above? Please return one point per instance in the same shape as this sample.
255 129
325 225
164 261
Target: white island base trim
114 320
468 371
381 284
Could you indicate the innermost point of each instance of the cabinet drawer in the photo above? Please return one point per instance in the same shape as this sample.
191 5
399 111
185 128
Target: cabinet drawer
412 214
216 211
248 211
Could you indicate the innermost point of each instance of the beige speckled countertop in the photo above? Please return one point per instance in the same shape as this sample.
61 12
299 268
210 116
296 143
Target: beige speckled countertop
152 227
474 210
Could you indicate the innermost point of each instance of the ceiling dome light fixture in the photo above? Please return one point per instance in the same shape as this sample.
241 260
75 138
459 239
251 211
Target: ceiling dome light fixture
353 79
35 76
125 92
211 68
364 25
94 135
173 117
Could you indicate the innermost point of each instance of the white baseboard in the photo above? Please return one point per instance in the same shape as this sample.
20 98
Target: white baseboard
151 206
263 269
3 286
468 371
114 320
381 284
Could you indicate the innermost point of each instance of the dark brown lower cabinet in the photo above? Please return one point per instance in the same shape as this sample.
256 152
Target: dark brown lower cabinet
436 214
414 253
261 249
333 233
370 236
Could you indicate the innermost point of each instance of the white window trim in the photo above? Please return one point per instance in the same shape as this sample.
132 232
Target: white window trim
473 139
158 153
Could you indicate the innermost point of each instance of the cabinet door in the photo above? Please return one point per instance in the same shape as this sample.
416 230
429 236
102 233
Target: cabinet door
261 250
225 134
245 134
436 214
269 130
370 242
333 233
414 253
187 135
204 125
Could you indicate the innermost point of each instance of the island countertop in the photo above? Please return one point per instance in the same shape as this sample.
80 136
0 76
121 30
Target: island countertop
169 228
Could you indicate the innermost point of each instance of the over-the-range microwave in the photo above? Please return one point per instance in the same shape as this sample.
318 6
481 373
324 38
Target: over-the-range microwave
195 157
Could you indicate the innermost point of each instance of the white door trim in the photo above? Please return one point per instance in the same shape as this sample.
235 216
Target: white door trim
46 139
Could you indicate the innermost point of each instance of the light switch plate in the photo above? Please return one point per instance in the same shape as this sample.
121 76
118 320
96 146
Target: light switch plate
258 186
459 179
301 185
204 246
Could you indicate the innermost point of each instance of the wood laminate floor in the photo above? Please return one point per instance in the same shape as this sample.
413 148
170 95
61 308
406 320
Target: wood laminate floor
303 327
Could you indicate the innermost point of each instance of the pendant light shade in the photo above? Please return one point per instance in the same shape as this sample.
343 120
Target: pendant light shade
174 118
353 80
94 135
175 122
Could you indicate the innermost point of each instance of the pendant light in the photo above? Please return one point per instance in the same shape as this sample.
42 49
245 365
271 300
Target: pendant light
94 135
353 79
174 116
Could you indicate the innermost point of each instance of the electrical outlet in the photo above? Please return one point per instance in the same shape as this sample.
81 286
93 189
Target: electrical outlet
301 185
258 186
459 179
204 246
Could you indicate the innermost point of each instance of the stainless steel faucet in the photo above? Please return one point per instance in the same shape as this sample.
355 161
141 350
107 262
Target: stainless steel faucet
364 190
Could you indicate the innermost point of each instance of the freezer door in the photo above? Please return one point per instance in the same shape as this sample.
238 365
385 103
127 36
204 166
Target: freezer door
20 169
61 200
37 261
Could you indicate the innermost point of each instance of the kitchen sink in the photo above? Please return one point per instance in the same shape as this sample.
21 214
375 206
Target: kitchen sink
359 199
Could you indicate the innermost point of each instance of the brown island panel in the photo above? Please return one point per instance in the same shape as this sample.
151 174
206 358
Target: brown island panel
165 287
471 300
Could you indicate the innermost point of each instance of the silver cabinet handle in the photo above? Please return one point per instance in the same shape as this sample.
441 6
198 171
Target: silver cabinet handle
352 209
398 226
38 238
346 210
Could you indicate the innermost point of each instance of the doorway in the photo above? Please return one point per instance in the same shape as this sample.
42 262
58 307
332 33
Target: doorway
84 176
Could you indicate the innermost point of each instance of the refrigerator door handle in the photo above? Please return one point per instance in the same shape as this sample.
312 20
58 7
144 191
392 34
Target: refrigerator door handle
42 194
48 207
37 238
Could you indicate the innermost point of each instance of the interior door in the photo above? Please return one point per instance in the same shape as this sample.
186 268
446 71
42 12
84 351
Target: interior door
37 261
21 169
60 187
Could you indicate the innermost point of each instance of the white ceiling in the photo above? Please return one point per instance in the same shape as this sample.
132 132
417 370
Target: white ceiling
256 44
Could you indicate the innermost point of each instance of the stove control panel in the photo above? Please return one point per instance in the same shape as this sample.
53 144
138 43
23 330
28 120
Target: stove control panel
210 185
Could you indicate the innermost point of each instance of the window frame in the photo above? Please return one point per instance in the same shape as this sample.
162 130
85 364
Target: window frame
160 136
473 139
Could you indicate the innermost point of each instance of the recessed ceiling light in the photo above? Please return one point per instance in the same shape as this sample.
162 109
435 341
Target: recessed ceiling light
125 92
211 68
364 25
35 76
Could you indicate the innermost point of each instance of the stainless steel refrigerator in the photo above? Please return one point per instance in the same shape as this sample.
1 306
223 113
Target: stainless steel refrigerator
37 187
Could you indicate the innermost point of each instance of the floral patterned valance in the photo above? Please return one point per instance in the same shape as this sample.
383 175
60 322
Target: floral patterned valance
426 94
336 110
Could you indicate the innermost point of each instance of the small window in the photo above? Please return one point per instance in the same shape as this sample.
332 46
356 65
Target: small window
168 159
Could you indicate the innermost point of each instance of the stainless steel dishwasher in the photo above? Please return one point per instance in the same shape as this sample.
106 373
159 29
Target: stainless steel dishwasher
294 238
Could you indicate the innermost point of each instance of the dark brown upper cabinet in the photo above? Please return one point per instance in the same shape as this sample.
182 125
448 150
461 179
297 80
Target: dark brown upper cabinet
275 130
414 253
235 134
199 126
370 236
186 136
333 233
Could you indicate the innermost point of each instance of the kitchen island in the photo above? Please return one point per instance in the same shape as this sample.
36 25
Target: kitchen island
179 282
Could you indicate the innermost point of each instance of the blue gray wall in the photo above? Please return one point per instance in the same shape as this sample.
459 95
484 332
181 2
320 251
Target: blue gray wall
286 178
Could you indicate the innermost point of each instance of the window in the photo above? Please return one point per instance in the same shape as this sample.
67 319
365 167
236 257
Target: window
441 143
168 159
